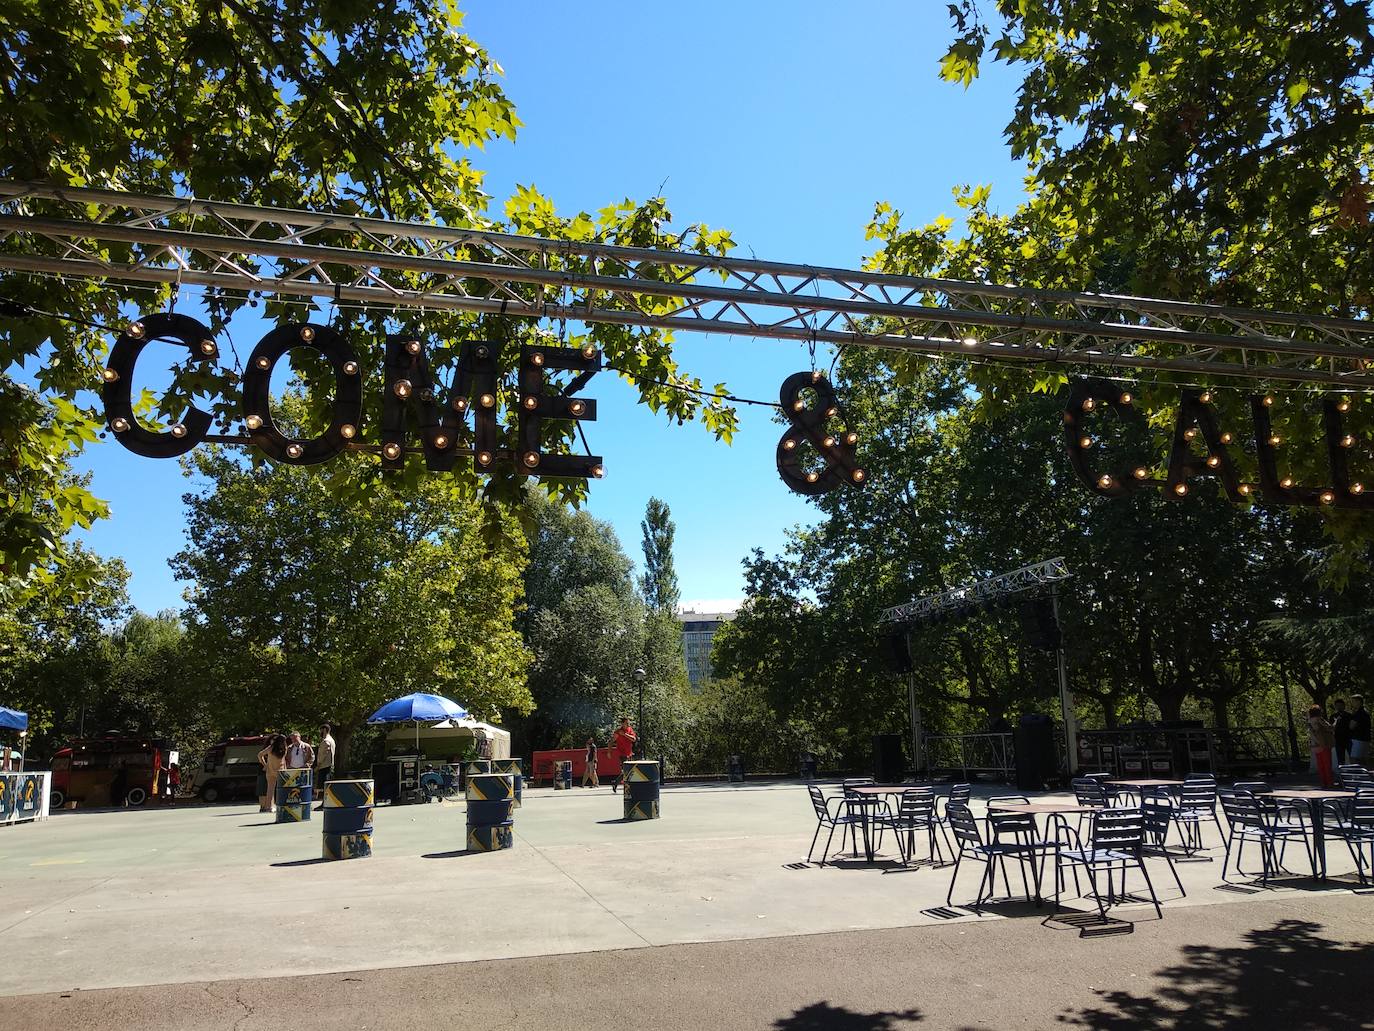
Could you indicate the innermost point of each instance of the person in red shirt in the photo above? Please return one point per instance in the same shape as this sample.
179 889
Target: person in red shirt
624 742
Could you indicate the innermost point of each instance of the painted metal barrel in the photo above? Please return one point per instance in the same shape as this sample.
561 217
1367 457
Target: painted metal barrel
511 766
294 795
641 789
348 846
490 799
348 808
474 768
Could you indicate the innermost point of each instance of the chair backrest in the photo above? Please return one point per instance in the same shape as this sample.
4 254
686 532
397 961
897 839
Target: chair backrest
1241 808
1255 787
1356 777
960 793
1362 807
1120 830
1011 823
1198 794
1200 778
818 802
1089 792
1157 811
916 805
1100 777
965 827
856 782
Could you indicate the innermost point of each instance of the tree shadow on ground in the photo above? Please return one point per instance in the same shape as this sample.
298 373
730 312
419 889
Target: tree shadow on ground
1285 977
821 1016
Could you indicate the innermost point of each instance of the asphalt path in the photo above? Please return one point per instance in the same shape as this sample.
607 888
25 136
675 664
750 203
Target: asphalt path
1295 962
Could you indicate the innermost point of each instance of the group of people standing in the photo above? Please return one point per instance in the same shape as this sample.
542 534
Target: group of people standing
290 752
1347 733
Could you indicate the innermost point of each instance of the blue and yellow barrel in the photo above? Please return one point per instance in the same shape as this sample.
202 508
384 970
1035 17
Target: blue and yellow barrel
490 801
511 766
641 789
474 768
294 795
348 819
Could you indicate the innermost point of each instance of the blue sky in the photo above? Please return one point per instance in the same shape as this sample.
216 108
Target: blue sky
785 123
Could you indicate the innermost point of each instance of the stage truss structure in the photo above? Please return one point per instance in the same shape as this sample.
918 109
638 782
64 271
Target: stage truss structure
109 235
979 594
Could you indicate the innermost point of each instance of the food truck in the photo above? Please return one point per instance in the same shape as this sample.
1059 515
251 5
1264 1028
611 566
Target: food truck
230 769
111 770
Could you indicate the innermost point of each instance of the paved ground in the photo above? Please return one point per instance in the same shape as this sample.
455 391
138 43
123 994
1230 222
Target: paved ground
605 915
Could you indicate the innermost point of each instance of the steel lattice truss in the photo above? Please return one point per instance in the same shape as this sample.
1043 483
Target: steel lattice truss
975 595
114 236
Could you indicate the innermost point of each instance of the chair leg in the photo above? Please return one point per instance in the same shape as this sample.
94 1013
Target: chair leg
949 896
813 841
828 839
1148 884
1097 895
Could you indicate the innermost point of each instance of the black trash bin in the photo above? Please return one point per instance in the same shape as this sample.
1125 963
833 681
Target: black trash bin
1036 761
888 761
806 766
735 768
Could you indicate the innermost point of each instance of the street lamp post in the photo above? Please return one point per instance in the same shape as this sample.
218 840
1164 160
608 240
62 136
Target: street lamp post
639 676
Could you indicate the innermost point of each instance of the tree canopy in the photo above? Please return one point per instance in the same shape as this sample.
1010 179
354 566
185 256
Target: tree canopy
369 110
659 582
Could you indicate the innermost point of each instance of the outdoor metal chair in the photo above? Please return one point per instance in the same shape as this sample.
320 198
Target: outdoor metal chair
1019 833
1255 818
1117 843
1088 791
1116 794
1197 803
916 812
1353 822
825 818
958 794
972 847
1158 811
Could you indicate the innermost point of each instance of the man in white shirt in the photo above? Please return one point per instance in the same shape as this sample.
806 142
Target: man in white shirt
324 762
299 754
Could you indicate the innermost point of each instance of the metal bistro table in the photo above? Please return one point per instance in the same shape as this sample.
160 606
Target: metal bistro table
1057 811
1314 799
870 795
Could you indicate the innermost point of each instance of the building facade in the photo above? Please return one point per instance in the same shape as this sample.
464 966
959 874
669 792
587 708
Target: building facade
699 627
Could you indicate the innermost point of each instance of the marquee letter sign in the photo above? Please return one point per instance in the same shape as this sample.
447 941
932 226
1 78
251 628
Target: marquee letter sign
411 404
1201 448
810 424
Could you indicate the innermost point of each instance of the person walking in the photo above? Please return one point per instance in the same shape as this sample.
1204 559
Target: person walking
324 762
589 765
173 783
624 744
1321 737
1359 731
1340 723
271 759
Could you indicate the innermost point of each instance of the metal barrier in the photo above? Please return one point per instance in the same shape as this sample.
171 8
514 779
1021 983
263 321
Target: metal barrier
987 754
1125 752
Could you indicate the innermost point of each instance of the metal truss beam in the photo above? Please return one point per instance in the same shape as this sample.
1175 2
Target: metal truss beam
977 595
114 236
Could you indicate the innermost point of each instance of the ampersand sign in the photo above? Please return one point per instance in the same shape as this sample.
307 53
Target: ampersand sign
810 424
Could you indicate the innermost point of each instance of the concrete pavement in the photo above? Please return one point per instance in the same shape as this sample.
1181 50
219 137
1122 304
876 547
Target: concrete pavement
214 895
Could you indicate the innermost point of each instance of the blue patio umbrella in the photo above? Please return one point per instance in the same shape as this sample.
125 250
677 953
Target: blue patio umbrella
418 708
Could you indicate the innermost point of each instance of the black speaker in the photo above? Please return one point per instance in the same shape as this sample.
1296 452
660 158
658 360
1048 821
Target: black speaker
889 764
896 652
1036 758
1039 625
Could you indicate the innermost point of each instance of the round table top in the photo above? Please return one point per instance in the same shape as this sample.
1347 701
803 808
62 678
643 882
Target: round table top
1148 783
888 789
1309 793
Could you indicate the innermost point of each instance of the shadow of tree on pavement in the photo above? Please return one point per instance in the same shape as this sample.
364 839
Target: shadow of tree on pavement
821 1016
1285 977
